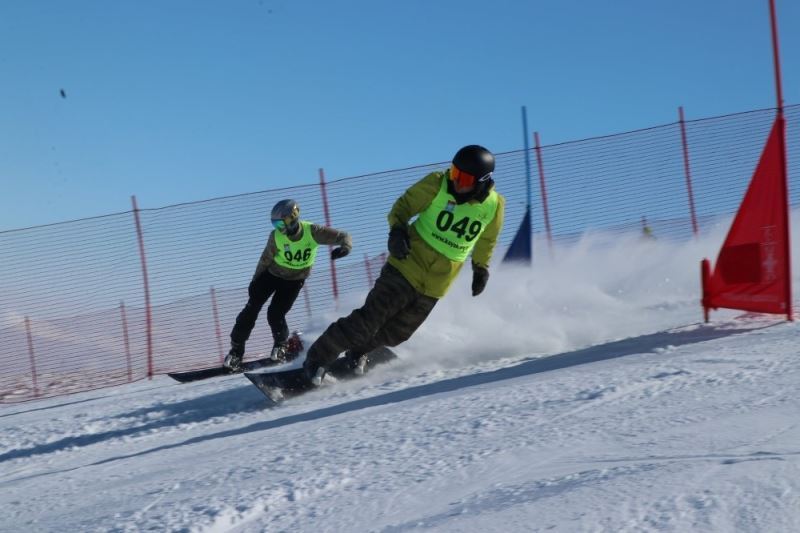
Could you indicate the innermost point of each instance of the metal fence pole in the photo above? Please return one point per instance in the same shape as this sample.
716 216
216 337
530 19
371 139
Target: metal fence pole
148 310
687 171
368 269
217 329
34 377
543 187
307 299
328 223
126 340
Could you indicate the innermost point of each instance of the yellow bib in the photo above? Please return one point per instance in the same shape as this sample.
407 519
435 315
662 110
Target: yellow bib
296 254
452 229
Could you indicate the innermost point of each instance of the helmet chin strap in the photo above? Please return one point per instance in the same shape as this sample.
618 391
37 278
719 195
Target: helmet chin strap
483 189
293 229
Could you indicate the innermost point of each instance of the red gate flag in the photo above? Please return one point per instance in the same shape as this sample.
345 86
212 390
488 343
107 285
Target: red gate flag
753 268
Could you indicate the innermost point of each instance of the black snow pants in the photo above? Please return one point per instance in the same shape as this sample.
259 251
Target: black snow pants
283 292
391 314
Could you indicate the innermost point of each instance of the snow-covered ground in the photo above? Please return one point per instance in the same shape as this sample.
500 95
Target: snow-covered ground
580 396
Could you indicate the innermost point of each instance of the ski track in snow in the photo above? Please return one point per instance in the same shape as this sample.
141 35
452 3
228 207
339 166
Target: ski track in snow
629 443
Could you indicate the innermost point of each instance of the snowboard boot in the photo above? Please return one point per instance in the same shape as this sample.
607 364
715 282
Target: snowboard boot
233 360
356 362
314 372
294 345
279 351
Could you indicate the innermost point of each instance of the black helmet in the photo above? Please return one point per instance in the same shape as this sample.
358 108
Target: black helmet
471 174
475 160
286 216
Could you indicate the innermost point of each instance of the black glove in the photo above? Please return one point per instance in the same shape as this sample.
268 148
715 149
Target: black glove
399 243
338 253
480 276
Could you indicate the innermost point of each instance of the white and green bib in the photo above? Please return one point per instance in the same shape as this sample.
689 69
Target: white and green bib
296 254
452 229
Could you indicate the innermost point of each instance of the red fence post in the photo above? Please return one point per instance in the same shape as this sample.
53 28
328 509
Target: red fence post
217 329
368 269
776 59
543 189
147 309
308 301
687 171
33 359
705 281
126 340
328 223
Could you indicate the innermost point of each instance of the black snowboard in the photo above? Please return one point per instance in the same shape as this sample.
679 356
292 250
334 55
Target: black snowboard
294 347
279 385
205 373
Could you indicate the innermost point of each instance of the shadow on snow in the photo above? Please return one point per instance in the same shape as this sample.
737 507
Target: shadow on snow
232 401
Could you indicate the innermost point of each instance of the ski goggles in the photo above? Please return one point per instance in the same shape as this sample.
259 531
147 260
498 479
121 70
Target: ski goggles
465 180
280 224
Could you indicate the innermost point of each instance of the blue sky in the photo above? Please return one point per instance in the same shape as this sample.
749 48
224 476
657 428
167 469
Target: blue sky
176 101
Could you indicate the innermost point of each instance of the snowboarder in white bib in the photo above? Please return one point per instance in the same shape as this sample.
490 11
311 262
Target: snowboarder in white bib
282 270
458 214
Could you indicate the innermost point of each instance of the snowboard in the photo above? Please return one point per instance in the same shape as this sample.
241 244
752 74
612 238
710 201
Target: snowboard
279 385
295 347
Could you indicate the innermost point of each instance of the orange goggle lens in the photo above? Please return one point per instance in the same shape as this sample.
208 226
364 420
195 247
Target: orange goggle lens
465 180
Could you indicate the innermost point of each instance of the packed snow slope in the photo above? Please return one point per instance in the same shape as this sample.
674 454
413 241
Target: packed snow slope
579 395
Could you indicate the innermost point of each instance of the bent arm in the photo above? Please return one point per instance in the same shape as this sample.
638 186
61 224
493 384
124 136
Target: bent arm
484 248
415 199
331 236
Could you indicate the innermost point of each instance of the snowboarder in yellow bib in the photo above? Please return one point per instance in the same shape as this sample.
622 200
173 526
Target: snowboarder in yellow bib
458 214
282 270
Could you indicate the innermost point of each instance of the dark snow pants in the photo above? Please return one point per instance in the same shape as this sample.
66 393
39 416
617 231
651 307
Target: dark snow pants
283 292
391 314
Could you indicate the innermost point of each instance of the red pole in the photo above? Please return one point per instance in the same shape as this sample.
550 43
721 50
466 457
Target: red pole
543 189
787 248
687 172
147 308
328 223
368 269
32 358
126 340
705 279
776 57
307 299
782 125
217 329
